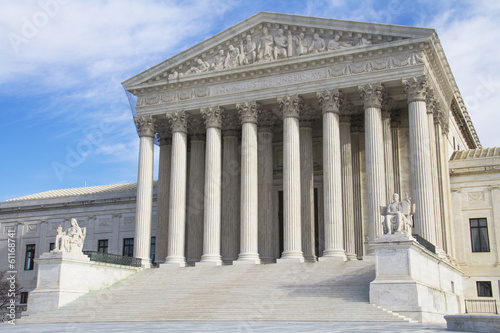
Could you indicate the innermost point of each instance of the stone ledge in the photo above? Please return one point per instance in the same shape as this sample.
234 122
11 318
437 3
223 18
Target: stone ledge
473 323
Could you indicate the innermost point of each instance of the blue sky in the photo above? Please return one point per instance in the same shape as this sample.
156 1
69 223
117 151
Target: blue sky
66 121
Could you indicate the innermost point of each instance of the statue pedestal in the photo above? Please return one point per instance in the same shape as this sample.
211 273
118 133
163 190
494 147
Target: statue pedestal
63 277
414 282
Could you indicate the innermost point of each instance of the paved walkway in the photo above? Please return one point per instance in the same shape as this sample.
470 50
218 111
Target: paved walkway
226 326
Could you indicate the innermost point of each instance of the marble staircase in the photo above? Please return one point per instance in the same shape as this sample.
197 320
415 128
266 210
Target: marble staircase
323 291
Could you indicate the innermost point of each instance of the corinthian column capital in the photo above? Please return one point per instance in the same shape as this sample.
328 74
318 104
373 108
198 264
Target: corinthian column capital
178 121
212 116
163 132
249 111
291 105
416 88
145 125
372 94
330 100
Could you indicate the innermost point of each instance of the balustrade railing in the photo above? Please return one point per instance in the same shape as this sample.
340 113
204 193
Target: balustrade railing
481 306
113 259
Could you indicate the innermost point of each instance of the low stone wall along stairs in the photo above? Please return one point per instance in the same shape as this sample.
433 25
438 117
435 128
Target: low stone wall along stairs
323 291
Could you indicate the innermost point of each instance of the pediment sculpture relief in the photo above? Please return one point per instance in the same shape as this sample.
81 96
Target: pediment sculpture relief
268 46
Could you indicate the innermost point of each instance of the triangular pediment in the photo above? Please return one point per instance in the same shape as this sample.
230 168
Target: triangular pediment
267 37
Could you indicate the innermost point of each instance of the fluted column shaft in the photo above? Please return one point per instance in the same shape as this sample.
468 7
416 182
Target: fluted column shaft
420 158
177 210
307 190
291 107
389 165
332 183
434 180
196 199
249 233
163 199
144 201
357 201
213 190
347 188
266 230
230 197
374 154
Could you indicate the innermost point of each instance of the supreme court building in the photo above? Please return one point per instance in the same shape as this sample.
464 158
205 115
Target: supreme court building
281 137
280 140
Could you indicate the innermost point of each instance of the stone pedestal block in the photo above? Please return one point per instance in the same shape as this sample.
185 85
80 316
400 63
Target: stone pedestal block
413 281
63 277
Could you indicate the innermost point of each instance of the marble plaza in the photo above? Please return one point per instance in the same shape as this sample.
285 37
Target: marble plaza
289 139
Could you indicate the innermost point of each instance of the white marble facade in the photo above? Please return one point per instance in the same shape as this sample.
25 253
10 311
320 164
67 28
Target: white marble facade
280 139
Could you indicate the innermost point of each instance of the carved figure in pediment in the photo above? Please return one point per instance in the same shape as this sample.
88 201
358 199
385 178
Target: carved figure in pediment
281 45
265 47
301 45
232 58
219 61
173 75
203 66
398 216
317 44
363 41
71 239
248 52
336 44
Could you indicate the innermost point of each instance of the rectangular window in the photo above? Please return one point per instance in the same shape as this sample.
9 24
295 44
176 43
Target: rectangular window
479 235
52 246
24 298
29 260
484 289
102 245
128 247
152 249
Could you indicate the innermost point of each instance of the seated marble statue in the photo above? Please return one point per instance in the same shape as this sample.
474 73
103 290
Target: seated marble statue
71 239
398 216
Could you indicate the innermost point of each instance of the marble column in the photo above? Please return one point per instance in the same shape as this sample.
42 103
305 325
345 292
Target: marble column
432 107
347 186
249 112
356 128
196 196
396 163
163 192
178 175
265 215
307 189
144 201
372 95
291 107
213 190
424 220
389 165
330 101
230 220
441 130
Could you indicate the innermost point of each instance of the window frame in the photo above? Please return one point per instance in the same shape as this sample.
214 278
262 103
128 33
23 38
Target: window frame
29 257
482 286
479 232
128 247
102 244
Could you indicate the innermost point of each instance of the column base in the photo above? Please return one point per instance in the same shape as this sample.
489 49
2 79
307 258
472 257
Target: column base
174 262
310 258
146 263
351 256
291 256
209 260
333 255
246 262
208 263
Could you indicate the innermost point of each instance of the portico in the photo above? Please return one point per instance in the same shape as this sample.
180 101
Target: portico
301 147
